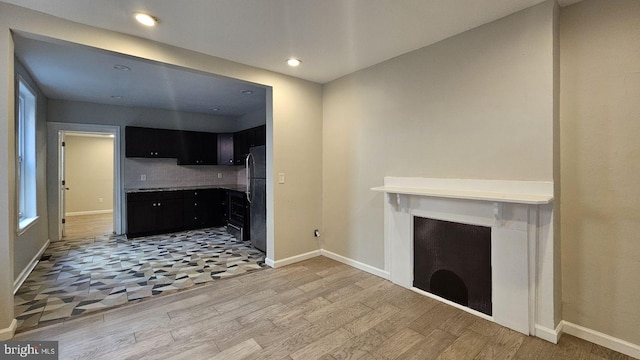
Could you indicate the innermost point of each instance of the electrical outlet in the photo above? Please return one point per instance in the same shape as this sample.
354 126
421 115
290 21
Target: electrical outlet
316 233
219 175
100 200
281 178
143 177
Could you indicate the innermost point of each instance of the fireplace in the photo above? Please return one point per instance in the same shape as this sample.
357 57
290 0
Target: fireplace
518 215
453 261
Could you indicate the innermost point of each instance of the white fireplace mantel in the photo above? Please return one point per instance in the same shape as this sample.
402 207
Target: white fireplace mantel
508 191
520 214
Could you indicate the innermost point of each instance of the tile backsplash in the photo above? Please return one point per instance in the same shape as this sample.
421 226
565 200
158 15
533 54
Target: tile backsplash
166 173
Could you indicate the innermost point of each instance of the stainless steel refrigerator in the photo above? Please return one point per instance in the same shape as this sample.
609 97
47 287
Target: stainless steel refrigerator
256 164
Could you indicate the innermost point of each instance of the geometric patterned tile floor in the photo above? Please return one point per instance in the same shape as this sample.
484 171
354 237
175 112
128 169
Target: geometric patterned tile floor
75 277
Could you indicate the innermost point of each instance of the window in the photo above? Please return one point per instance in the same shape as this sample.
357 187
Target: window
26 153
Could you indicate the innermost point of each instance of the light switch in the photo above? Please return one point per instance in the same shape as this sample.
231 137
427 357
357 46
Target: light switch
219 175
281 178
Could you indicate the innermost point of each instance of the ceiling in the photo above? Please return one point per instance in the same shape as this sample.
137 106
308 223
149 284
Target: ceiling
73 72
332 37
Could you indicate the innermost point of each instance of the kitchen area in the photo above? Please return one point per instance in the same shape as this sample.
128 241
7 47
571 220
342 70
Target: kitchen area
187 143
184 180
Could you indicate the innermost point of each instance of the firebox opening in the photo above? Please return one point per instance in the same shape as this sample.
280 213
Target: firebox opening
450 286
453 260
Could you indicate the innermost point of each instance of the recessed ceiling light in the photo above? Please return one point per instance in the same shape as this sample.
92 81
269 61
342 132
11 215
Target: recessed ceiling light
247 92
121 67
293 62
117 97
146 19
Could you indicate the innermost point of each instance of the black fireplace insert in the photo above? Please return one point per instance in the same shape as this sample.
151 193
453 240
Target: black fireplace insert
453 260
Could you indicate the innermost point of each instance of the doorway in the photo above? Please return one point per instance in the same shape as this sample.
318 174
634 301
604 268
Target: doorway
76 197
87 186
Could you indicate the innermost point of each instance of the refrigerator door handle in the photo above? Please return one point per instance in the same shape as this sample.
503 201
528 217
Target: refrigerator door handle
246 163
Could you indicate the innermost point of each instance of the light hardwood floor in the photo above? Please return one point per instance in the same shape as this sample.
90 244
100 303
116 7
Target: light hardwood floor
87 226
316 309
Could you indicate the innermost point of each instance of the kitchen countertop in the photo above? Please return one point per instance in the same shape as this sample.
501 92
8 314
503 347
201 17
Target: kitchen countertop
233 187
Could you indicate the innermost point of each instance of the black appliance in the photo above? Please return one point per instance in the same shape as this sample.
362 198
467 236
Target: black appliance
256 164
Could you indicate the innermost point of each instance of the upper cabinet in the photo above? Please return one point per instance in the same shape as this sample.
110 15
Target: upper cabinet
225 149
193 147
197 148
150 143
246 139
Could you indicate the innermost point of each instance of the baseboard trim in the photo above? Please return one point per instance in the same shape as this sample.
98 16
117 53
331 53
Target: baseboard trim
7 333
293 259
89 212
270 263
356 264
601 339
32 264
550 335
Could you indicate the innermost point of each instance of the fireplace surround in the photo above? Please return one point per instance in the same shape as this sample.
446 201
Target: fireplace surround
520 216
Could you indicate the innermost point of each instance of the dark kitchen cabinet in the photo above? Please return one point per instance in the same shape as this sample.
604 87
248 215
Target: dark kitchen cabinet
193 147
239 148
225 149
158 212
197 148
204 208
246 139
154 212
258 136
150 143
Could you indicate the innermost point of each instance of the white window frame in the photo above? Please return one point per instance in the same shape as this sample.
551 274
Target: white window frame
26 189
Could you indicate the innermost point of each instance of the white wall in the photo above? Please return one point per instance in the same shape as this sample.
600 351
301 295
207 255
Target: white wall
600 109
294 130
88 174
252 119
90 113
478 105
7 187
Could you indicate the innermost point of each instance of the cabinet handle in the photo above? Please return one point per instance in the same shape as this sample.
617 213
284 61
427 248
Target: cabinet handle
154 204
159 204
152 153
195 193
195 204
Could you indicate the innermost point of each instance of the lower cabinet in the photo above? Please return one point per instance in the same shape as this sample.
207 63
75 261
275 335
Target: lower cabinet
154 213
204 208
159 212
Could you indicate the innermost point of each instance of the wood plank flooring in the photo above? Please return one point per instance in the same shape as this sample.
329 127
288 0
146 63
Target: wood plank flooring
87 226
315 309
